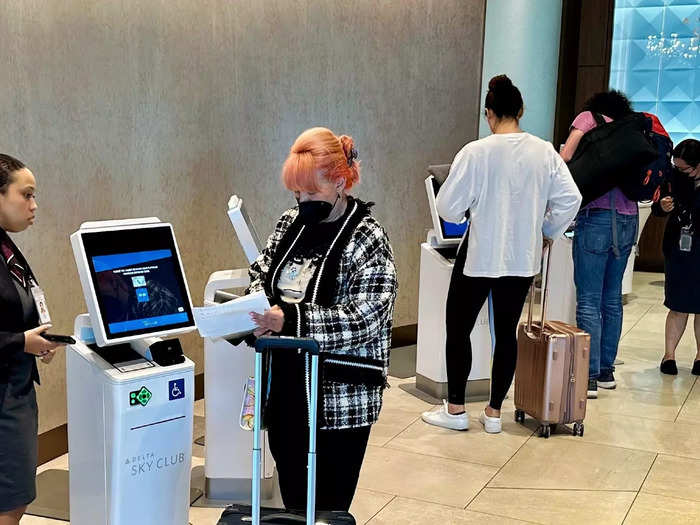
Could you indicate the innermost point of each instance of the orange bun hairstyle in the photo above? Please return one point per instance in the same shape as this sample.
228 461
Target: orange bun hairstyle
319 150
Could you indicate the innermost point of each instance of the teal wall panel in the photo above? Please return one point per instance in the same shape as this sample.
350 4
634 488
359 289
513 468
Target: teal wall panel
664 83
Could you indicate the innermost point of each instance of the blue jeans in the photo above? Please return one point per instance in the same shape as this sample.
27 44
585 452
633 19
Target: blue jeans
600 259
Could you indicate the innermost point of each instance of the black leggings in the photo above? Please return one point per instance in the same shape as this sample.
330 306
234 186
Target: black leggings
339 453
339 456
464 301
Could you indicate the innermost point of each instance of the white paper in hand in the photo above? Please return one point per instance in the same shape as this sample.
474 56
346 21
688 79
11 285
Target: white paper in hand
231 318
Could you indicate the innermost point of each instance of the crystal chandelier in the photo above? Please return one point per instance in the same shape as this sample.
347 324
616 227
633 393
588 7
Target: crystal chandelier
672 46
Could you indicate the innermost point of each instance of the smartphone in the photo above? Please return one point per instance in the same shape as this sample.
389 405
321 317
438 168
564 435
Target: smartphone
63 339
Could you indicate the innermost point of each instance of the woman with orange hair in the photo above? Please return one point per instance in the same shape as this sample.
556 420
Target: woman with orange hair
328 270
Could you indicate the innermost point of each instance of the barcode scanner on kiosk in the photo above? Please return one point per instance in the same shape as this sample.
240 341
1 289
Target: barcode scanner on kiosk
130 387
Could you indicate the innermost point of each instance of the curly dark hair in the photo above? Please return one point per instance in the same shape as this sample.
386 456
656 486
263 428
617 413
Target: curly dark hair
612 103
689 151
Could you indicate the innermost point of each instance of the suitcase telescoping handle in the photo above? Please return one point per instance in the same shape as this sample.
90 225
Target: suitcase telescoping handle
545 288
309 346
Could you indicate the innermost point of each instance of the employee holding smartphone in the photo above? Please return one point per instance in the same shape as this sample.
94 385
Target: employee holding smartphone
22 308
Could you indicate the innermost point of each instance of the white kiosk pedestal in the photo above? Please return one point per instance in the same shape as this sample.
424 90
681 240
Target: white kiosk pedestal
228 448
130 441
431 372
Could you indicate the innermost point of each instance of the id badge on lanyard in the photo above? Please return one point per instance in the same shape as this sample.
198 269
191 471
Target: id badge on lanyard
40 303
686 241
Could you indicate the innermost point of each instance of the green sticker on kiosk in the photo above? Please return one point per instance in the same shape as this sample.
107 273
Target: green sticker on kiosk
140 397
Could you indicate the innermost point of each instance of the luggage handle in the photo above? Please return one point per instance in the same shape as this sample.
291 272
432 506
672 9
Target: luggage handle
307 344
545 286
310 346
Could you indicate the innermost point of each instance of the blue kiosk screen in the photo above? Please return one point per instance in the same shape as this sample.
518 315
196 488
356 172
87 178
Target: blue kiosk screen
138 290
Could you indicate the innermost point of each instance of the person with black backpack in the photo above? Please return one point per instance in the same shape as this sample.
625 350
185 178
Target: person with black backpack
606 230
680 200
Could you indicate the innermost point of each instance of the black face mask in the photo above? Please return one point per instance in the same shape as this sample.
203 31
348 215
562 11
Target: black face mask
313 212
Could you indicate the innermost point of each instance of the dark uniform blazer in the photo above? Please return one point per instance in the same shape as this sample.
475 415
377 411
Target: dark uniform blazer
686 211
17 368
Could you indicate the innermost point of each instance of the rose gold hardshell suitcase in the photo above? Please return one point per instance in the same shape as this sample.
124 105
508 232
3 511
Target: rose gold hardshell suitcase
551 377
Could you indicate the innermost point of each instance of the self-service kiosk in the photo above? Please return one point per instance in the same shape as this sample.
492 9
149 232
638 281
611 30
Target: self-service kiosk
437 259
130 393
228 466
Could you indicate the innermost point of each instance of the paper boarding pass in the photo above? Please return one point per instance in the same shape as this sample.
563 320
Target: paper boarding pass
230 318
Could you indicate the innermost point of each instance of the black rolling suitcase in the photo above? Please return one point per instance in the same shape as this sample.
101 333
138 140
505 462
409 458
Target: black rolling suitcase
235 514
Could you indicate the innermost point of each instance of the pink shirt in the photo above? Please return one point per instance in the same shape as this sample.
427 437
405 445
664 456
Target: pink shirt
586 122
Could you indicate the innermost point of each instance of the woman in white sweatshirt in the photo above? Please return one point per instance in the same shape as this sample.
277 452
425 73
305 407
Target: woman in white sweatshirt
518 192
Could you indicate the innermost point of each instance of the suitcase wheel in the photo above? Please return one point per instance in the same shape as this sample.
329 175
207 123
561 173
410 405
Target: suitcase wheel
519 416
578 429
545 431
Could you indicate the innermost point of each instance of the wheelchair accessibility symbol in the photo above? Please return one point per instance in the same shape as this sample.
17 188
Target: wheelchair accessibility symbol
176 389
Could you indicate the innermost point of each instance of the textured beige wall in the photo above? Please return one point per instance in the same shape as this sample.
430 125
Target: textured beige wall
166 107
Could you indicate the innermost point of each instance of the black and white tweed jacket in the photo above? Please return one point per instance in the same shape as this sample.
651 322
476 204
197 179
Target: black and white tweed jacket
349 311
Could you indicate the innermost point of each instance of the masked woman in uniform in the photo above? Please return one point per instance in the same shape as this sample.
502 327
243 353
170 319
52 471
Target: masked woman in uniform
680 200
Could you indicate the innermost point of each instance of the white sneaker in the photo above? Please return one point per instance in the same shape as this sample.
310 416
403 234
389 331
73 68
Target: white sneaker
492 425
442 418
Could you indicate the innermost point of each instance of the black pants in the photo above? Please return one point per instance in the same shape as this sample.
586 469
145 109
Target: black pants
339 455
464 301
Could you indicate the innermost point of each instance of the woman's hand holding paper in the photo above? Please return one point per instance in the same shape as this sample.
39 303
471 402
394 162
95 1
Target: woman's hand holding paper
271 321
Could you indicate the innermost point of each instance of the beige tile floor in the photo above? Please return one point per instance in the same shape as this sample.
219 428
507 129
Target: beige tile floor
638 463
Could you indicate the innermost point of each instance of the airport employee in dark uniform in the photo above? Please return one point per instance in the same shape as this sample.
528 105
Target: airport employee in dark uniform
20 344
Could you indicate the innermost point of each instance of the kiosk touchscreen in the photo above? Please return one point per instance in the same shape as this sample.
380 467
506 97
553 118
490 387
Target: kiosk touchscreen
133 281
446 233
130 393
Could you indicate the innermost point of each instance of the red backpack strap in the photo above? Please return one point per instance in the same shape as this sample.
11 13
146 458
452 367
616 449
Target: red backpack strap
656 125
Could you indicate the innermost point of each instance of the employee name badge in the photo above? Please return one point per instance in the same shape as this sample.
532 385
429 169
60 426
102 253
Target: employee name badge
686 240
40 303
